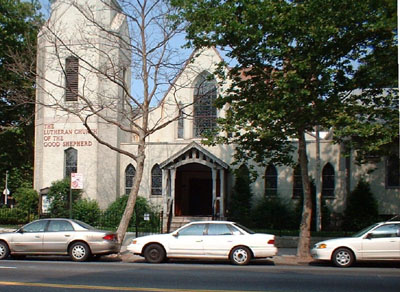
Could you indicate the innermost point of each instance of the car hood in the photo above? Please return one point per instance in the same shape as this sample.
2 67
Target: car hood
340 241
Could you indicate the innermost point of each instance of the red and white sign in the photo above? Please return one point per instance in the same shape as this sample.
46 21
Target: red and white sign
76 181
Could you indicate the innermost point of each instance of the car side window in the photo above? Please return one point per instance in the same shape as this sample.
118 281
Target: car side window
194 229
218 229
37 226
388 230
60 225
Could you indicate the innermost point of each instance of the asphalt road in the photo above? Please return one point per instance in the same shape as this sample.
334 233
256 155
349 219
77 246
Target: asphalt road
60 274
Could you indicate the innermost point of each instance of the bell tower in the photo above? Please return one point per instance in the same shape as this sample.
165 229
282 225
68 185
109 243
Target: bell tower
83 75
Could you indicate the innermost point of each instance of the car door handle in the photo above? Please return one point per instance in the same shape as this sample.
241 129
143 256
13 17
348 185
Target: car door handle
67 235
37 236
199 240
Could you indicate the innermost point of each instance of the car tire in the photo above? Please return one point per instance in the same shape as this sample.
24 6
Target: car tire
79 252
4 250
240 255
154 253
343 257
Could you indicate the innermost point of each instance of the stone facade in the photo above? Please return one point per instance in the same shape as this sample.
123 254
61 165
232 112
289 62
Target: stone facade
181 175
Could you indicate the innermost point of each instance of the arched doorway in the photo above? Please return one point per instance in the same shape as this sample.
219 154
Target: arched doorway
193 186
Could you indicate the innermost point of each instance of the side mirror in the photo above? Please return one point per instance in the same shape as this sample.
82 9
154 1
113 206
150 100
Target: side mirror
369 236
175 234
21 230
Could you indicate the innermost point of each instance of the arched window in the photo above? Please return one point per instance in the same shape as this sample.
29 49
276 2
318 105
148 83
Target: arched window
70 161
297 182
328 181
130 172
392 172
71 78
205 114
180 122
156 181
271 180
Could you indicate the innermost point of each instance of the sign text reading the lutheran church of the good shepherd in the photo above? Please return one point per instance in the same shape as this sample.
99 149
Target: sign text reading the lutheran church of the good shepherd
53 137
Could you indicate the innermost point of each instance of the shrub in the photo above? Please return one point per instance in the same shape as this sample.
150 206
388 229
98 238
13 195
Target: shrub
112 216
59 197
14 216
361 209
273 213
87 211
26 199
240 204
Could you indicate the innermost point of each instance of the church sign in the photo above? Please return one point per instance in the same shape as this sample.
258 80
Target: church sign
66 137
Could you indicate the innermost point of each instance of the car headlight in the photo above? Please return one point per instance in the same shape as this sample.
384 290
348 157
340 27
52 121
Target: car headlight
321 245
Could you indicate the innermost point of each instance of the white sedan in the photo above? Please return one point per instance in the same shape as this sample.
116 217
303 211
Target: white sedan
206 240
380 241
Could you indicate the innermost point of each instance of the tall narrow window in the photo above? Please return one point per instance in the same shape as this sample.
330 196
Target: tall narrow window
156 181
70 161
392 172
130 172
180 123
71 78
271 180
205 114
328 181
297 182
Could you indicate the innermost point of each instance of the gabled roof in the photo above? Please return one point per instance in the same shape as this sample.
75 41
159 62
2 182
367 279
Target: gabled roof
200 152
188 61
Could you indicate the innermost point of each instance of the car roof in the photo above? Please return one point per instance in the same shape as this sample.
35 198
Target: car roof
211 221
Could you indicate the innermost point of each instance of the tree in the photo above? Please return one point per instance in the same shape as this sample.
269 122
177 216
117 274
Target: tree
137 42
19 22
298 65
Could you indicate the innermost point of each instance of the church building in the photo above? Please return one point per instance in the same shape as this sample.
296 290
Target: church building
182 176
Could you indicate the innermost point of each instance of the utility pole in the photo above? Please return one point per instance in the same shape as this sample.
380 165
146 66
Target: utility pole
6 192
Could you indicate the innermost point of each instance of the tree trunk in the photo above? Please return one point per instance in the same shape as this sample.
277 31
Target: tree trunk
130 205
303 247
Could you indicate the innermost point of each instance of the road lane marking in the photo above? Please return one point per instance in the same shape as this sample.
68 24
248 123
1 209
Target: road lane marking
1 267
112 288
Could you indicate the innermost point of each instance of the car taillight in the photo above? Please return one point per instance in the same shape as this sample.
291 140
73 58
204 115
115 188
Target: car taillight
110 237
271 241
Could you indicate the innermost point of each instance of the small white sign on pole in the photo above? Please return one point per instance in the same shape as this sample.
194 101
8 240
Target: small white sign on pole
76 181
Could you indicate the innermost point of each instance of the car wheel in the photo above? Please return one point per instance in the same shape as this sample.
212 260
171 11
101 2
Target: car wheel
154 253
240 255
343 257
79 251
4 250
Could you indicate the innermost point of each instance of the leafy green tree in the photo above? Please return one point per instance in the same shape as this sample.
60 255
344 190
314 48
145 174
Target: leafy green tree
58 196
19 22
298 65
361 209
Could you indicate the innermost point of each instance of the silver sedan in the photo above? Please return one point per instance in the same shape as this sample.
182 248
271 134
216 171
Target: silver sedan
58 237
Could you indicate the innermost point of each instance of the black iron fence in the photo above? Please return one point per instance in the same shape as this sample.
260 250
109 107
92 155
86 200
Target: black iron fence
140 223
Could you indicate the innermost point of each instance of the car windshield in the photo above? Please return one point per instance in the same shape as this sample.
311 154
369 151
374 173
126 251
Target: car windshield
84 225
365 230
244 228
